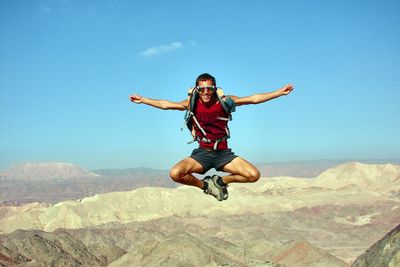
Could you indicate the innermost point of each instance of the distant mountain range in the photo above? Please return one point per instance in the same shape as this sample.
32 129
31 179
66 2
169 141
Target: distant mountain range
378 178
311 168
52 182
283 221
32 171
55 182
45 171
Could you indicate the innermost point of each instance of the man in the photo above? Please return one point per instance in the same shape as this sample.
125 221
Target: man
209 128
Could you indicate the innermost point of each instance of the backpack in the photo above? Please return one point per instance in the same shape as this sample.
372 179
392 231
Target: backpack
227 104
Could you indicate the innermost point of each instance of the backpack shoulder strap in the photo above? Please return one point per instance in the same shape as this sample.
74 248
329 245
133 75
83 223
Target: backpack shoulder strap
192 94
226 101
192 97
220 92
190 91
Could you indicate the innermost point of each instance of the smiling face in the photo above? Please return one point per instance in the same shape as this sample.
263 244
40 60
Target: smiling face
206 95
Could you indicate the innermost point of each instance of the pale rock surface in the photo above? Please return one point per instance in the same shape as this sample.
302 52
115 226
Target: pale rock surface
379 178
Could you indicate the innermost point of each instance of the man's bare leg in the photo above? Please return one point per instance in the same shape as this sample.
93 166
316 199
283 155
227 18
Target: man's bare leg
182 172
241 171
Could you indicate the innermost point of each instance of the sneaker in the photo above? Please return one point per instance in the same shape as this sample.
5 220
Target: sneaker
212 189
223 188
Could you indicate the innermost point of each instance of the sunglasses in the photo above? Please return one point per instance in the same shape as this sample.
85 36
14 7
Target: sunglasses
201 89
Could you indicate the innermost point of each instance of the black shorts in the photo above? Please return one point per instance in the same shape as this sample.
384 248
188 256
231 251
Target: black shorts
212 159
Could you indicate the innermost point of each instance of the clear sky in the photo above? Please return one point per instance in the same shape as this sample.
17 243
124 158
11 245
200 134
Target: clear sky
67 68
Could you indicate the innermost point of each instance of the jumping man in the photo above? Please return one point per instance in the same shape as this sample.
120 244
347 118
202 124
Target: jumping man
208 113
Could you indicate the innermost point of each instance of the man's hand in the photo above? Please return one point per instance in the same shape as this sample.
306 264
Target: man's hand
136 99
286 89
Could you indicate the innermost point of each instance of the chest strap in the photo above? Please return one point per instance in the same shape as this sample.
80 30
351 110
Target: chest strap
204 139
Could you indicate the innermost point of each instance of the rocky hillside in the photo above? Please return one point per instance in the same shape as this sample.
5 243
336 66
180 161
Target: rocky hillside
384 253
282 220
173 241
37 248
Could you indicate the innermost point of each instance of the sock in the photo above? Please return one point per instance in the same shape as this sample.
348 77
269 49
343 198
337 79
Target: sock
220 181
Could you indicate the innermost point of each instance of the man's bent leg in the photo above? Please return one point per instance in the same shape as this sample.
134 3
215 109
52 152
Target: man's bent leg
241 171
182 172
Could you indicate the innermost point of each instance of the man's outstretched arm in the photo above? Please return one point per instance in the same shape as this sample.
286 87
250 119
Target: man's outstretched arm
161 104
263 97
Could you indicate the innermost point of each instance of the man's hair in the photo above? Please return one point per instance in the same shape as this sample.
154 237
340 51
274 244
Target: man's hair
205 77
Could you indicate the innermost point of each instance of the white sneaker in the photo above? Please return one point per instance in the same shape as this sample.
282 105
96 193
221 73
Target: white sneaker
212 189
223 189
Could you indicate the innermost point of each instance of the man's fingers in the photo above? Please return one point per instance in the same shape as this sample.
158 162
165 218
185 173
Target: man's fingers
288 89
135 98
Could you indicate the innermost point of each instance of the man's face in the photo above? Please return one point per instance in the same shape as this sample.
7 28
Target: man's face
206 95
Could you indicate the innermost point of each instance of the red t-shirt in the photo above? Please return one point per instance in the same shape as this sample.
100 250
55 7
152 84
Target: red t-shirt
208 120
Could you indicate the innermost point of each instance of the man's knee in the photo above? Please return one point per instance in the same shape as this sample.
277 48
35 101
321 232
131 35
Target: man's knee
253 175
175 174
178 175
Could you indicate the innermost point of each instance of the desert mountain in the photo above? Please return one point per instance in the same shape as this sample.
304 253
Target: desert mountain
45 171
267 195
281 220
56 182
25 184
384 253
37 248
377 178
130 172
302 253
173 241
309 168
182 249
145 204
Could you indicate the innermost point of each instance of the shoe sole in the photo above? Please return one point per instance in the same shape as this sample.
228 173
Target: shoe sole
209 180
221 188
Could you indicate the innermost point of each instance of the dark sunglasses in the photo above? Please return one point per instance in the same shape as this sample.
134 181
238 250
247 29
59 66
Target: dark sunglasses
201 89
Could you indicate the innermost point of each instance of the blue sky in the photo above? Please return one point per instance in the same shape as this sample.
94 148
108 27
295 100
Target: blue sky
68 67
